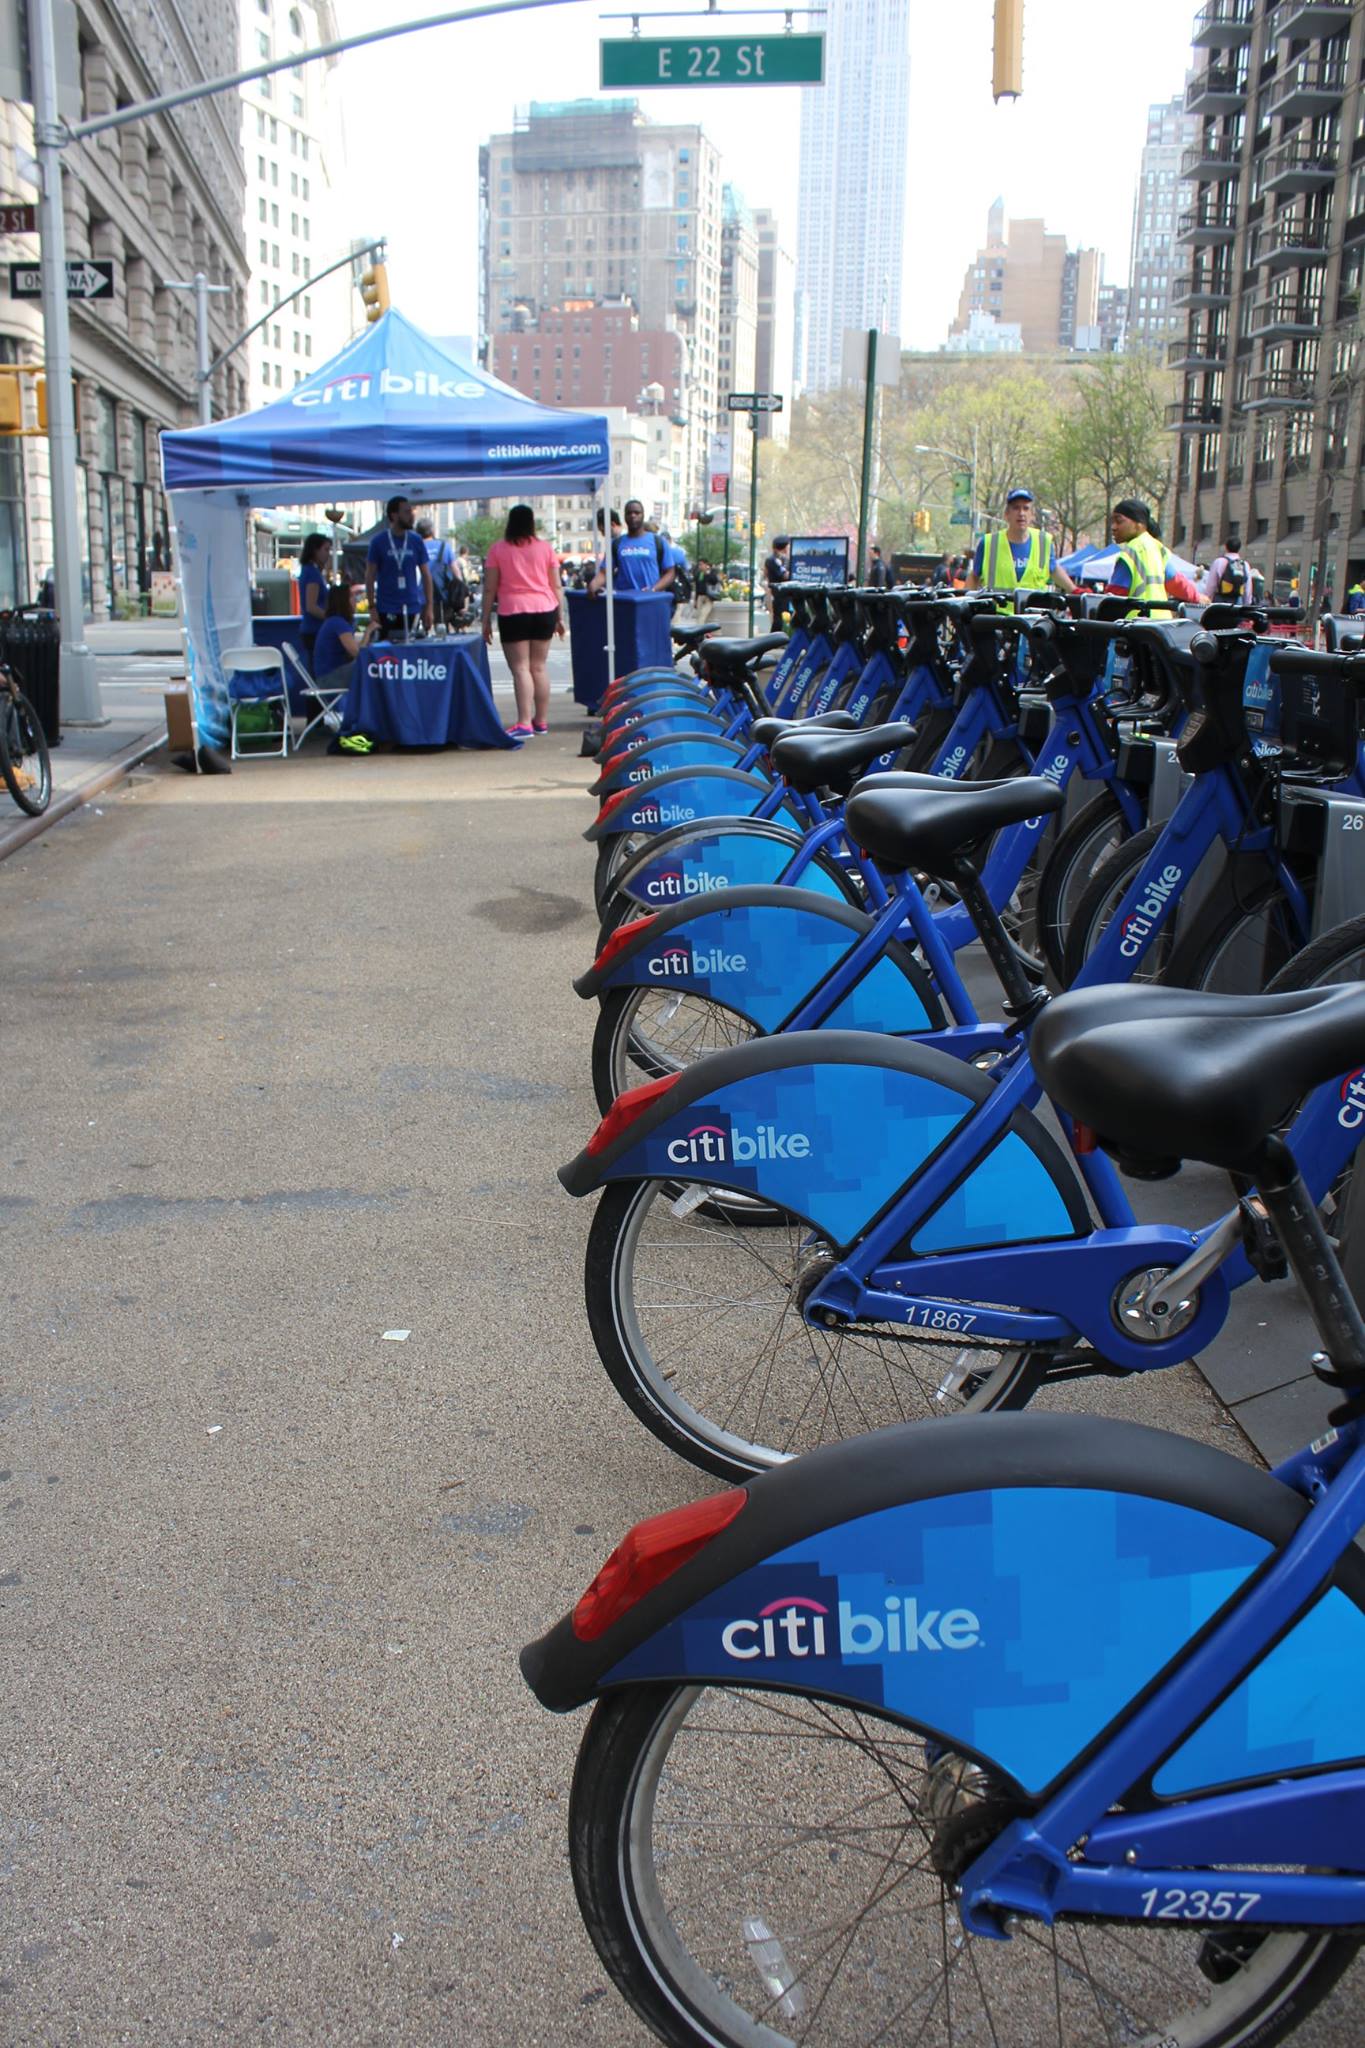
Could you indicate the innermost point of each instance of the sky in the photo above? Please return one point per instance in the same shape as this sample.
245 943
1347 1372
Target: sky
416 109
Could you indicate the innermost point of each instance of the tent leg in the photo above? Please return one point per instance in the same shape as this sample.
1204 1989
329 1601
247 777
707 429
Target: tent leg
611 591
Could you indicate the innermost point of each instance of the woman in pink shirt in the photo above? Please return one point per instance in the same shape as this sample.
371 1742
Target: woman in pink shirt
521 576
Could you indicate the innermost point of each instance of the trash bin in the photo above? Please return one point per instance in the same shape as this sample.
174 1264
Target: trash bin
30 641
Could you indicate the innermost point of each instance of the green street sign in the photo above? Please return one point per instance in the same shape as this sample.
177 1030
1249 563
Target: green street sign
641 61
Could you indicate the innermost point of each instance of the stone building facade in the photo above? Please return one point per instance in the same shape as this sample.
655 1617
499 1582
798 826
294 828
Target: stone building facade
161 198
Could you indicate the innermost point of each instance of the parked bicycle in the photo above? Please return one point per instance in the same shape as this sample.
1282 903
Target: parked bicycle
24 759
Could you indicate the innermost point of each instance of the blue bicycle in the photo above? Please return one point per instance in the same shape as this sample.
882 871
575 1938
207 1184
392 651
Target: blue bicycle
1012 1732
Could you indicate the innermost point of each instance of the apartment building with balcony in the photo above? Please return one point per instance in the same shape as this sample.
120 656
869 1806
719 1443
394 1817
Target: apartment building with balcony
1270 413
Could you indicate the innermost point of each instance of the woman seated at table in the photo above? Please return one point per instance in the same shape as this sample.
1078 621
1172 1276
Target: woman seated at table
338 643
521 575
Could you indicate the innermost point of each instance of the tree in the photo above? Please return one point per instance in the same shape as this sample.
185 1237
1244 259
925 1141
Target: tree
1062 479
1121 418
479 532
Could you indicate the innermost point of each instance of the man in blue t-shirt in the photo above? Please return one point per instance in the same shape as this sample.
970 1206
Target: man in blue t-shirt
397 577
638 558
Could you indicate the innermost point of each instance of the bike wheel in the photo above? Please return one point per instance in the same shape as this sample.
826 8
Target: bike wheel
696 1319
1241 939
24 759
1108 886
754 1869
1093 834
613 853
642 1033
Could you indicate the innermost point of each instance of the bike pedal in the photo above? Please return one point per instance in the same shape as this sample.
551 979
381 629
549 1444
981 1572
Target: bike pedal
1265 1253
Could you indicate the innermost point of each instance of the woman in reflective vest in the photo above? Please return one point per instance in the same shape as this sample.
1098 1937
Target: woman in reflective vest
1141 555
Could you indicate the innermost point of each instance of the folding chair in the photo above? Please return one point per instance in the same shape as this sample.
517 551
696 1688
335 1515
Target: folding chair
324 696
256 661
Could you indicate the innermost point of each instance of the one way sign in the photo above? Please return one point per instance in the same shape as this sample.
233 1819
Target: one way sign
86 279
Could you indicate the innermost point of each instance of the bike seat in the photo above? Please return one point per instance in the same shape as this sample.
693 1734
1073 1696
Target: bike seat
1173 1073
692 636
835 760
739 653
766 730
923 821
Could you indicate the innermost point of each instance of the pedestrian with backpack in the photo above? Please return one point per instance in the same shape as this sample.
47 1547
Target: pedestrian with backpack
1229 577
441 562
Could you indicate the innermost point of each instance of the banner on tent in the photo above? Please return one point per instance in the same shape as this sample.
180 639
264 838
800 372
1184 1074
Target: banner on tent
211 548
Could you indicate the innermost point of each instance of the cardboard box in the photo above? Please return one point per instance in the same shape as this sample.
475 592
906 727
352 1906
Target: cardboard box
181 736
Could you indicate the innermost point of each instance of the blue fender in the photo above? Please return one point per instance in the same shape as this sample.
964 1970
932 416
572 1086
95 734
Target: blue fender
667 704
761 951
659 756
693 861
832 1125
1006 1584
683 798
668 725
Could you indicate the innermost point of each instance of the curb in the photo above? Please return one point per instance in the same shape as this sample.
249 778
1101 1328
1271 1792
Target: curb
111 771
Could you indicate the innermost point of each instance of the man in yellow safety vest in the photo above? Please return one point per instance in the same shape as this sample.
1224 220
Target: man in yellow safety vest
1141 569
1020 558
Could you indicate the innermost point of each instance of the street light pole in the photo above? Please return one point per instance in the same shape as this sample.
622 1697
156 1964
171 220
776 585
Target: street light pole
78 683
201 288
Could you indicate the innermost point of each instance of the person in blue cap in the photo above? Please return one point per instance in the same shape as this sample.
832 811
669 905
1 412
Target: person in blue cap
1021 557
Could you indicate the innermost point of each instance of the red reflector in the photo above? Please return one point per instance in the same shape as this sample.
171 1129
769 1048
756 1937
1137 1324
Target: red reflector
621 938
1083 1140
619 797
651 1553
612 762
623 1112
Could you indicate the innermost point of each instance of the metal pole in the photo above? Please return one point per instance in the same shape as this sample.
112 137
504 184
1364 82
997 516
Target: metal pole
865 484
974 504
753 510
201 335
725 551
79 687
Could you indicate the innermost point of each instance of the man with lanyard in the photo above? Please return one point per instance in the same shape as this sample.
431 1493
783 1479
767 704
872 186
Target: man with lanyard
1141 569
638 560
1020 558
397 565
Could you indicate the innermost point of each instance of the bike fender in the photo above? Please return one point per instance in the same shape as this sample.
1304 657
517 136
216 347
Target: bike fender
1009 1584
660 756
680 798
761 952
829 1124
631 710
677 725
689 864
649 679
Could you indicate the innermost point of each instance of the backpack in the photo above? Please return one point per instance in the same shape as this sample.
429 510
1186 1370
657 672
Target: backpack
1232 584
682 583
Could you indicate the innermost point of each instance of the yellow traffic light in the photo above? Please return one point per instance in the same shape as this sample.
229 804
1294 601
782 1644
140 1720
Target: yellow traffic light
1008 79
11 401
759 529
374 291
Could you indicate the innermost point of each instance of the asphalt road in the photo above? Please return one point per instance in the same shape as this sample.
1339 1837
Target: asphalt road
291 1058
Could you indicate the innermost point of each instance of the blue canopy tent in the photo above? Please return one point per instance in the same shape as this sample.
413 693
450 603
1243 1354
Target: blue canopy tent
395 411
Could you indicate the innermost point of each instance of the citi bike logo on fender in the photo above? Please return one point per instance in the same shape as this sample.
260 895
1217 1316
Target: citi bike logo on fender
722 1142
1351 1115
672 885
681 958
1148 911
796 1626
652 812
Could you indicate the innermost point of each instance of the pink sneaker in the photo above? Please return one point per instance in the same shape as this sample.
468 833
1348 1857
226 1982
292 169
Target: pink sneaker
538 726
518 732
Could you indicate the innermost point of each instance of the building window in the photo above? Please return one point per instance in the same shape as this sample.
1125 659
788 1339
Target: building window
274 216
274 174
262 42
265 373
275 336
296 104
261 204
265 252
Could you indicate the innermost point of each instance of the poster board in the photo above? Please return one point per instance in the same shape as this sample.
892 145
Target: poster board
819 558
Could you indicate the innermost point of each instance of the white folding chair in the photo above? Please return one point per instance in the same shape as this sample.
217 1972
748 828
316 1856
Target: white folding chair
257 661
323 695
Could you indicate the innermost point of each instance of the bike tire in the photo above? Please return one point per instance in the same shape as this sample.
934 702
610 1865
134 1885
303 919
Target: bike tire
633 1041
1081 849
1108 886
686 1368
613 853
1244 934
24 759
701 1814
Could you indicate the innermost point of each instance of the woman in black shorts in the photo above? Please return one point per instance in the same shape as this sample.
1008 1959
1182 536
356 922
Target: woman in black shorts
521 576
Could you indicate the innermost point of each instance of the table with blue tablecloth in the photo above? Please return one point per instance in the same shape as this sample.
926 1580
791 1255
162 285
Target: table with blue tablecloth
642 620
425 693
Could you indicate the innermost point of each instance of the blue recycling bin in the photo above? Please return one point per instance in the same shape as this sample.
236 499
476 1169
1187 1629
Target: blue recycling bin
643 618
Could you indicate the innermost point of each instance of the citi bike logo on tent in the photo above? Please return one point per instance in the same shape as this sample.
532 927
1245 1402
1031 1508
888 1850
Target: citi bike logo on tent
796 1626
409 668
719 1141
356 388
680 958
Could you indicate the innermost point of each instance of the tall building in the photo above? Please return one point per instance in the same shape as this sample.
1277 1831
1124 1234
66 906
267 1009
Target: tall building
290 147
1161 198
854 148
160 198
775 339
585 353
587 199
1270 415
1025 277
738 356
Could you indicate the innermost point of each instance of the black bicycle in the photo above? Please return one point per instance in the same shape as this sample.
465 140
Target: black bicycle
24 760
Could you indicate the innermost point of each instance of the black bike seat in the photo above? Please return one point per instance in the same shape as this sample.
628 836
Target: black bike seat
835 760
766 730
1173 1073
923 821
692 636
739 653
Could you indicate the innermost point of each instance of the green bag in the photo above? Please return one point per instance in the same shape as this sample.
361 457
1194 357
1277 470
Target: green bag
258 721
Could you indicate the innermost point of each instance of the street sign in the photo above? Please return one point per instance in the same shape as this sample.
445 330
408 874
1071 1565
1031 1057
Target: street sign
754 401
17 219
713 60
720 482
720 458
85 279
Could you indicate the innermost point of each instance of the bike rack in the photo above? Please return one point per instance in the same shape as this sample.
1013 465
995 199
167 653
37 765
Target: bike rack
1333 826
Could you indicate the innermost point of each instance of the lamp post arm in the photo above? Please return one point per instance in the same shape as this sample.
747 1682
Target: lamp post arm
121 116
287 300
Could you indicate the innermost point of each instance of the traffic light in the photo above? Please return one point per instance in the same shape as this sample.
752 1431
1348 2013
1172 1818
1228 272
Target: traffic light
759 529
40 393
1007 81
11 402
374 291
922 522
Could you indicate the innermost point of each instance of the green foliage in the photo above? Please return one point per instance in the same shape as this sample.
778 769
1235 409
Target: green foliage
479 532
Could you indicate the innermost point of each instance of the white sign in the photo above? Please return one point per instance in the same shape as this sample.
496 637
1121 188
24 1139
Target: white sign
718 463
